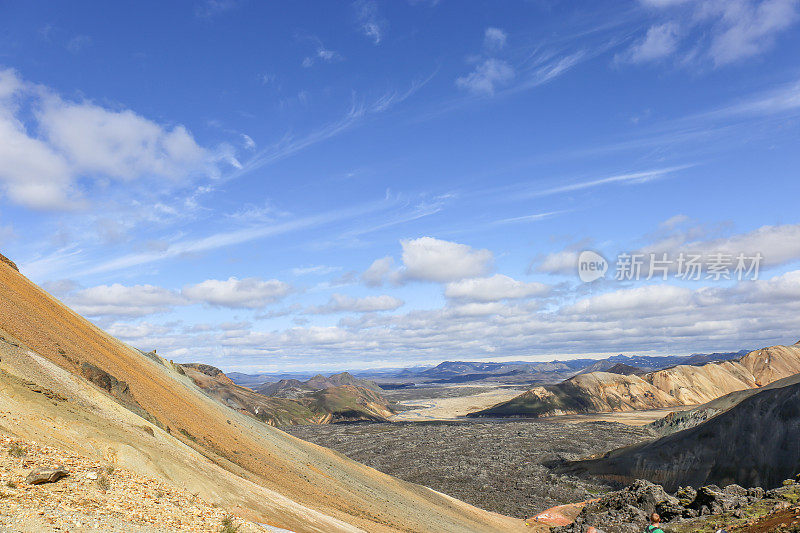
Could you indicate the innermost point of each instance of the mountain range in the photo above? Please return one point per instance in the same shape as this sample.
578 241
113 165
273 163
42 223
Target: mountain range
347 402
597 392
294 388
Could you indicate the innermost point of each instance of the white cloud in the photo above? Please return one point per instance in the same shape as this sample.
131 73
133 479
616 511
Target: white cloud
138 331
377 272
322 54
563 262
657 319
777 244
660 41
247 293
745 28
487 77
76 141
494 38
249 143
494 288
640 299
369 20
341 303
429 259
630 178
318 270
121 300
721 31
118 144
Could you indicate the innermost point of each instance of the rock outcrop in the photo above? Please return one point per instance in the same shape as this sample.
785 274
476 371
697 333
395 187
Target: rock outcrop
628 510
9 262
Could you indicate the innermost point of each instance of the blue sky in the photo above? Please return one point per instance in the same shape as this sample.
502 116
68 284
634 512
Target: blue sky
330 185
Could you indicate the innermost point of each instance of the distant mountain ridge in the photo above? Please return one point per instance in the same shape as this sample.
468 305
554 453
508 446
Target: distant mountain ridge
669 387
327 405
467 371
293 388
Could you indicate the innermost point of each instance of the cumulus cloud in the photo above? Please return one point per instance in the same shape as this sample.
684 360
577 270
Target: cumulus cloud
341 303
655 318
777 244
429 259
378 271
138 331
124 301
641 299
494 288
48 144
563 262
247 293
487 77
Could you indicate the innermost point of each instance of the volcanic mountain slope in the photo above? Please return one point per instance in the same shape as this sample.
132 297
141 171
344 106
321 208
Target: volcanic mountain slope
754 443
293 388
345 403
675 386
680 420
66 383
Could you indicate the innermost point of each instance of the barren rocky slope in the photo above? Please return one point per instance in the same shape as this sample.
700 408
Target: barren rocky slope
754 443
66 383
678 385
96 496
680 420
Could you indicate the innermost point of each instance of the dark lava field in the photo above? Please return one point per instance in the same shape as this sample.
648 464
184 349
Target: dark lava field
493 464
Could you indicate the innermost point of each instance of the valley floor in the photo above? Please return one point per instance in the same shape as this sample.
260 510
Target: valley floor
493 464
452 408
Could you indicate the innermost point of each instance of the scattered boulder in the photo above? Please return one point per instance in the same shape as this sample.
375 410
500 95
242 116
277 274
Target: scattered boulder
46 475
713 500
626 510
